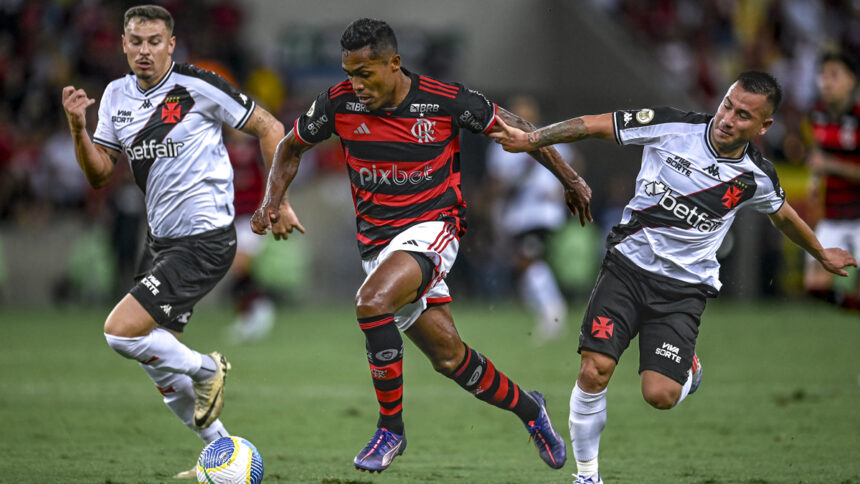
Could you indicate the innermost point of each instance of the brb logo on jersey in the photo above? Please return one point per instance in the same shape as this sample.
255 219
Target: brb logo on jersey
424 130
393 176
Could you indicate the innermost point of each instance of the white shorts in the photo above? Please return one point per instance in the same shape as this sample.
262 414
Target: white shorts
844 234
439 242
247 242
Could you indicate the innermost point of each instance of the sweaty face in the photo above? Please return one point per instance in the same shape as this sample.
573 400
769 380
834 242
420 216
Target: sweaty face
835 82
372 78
148 47
741 117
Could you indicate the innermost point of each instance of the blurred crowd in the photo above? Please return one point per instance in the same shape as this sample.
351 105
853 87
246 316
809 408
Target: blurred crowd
48 44
704 44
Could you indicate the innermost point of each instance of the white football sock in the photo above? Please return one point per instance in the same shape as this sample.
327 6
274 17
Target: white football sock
685 390
541 294
161 350
587 420
179 397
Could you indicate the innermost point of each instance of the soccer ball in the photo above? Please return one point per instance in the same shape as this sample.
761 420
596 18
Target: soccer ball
230 460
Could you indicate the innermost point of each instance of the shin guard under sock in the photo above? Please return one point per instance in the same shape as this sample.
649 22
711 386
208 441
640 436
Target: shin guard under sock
385 356
477 375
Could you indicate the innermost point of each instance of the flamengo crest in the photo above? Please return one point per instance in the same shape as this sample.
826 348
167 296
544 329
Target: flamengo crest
424 131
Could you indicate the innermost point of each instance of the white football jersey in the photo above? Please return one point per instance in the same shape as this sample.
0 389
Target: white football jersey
687 196
534 196
171 134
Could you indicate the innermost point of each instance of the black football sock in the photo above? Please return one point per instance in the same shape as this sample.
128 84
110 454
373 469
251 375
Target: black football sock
385 356
477 375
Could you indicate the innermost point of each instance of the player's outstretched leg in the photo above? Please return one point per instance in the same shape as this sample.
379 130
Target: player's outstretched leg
385 355
477 375
178 392
162 351
209 393
549 444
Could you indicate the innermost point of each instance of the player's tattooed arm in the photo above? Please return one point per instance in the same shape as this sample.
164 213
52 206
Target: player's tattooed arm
575 129
577 193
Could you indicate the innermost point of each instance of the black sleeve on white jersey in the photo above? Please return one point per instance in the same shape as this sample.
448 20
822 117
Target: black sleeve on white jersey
317 124
224 86
639 126
473 111
775 201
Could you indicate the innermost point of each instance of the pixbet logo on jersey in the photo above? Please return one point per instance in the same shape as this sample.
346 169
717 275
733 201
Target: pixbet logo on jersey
393 176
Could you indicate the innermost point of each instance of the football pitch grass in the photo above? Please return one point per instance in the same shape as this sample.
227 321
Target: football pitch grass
780 402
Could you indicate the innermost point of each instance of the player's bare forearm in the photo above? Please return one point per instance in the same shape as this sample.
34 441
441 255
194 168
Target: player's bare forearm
577 192
548 156
285 165
268 129
789 223
572 130
275 213
97 162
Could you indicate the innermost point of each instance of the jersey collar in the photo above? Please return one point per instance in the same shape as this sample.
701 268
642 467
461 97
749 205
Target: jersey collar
713 149
157 86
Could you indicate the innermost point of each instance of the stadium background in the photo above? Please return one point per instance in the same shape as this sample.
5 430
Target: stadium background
63 242
780 396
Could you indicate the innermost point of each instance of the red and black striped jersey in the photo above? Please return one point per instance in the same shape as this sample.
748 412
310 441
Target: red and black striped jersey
403 163
839 137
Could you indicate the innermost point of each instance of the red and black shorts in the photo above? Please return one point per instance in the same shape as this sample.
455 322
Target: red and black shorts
174 274
665 313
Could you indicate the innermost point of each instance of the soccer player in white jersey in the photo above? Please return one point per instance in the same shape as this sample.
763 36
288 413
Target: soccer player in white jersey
529 209
167 118
697 171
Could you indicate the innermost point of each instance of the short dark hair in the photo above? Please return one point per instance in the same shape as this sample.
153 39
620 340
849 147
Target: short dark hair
149 12
841 57
758 82
371 32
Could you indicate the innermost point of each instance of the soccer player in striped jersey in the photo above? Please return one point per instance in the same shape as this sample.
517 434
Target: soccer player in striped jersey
167 119
835 164
400 136
697 172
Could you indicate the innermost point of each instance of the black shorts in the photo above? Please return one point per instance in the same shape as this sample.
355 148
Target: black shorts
628 301
174 274
532 244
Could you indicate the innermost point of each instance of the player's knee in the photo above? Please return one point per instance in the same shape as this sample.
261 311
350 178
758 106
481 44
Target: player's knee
130 348
593 376
660 398
369 304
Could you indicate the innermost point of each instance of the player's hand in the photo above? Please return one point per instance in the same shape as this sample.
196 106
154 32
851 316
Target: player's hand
261 221
835 260
286 222
577 196
75 104
512 139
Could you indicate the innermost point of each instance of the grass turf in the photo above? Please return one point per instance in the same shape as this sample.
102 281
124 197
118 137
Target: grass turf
779 402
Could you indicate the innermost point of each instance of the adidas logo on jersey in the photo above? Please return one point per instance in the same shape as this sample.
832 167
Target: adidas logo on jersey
362 129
